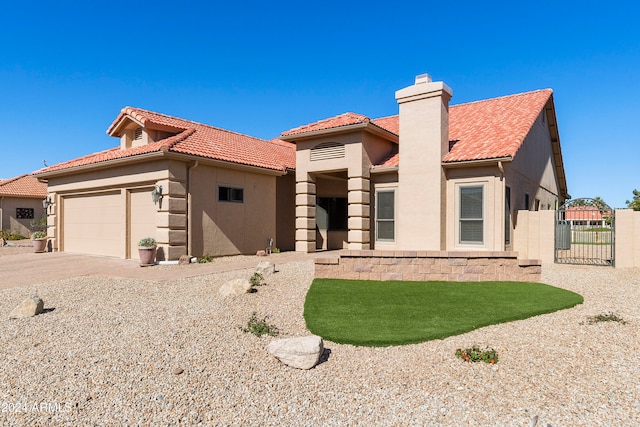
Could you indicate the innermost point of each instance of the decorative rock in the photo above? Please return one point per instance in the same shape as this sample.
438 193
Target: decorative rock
178 371
234 288
300 353
27 308
265 268
261 253
2 241
184 260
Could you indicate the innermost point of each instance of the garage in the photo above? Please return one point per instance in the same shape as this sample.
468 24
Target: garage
93 224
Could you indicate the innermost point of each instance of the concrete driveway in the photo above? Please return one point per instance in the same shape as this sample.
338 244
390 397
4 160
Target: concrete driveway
19 267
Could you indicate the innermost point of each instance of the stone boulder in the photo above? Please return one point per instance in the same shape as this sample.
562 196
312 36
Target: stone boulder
184 260
265 268
234 288
27 308
300 353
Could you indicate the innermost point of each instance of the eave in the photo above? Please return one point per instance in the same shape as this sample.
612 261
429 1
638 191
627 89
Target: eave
364 126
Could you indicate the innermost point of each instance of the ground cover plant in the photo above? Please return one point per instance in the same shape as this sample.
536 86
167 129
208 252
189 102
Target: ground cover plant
260 327
374 313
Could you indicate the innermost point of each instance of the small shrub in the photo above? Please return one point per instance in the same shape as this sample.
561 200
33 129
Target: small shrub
9 235
147 241
276 250
475 354
38 234
605 317
260 327
257 279
204 259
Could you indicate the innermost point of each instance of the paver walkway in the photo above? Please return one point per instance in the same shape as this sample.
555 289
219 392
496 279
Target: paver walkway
19 269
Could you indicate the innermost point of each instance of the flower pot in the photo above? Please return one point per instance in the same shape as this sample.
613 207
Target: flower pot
147 255
40 244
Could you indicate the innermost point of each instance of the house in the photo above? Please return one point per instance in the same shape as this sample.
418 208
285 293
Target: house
21 203
432 178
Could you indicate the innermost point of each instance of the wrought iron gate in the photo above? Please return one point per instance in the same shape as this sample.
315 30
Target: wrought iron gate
585 233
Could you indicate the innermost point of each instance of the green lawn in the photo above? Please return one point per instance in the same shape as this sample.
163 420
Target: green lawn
378 314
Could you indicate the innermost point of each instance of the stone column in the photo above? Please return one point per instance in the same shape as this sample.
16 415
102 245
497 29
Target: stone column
171 220
359 212
305 214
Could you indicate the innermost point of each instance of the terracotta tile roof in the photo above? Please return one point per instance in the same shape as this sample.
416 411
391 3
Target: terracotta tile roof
392 160
487 129
495 127
194 139
345 119
23 186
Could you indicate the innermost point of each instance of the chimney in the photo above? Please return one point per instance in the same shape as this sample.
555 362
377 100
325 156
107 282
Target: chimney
424 141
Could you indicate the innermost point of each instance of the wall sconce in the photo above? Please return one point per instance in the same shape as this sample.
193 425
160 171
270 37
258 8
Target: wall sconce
156 194
47 202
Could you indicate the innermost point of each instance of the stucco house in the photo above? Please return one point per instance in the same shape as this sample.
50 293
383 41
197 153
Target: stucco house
21 203
433 177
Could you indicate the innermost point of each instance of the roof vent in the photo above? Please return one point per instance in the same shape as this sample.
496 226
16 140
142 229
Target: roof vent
423 78
137 134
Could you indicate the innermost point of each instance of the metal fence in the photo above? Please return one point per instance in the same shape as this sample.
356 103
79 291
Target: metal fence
585 233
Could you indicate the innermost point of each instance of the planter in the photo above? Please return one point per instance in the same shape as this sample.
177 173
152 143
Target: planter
40 244
147 255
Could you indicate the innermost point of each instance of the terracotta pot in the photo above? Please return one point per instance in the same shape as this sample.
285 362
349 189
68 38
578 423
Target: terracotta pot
40 244
147 255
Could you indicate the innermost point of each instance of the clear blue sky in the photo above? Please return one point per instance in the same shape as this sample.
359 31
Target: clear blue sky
67 68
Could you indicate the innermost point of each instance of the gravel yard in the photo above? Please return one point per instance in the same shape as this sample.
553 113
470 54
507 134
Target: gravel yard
107 352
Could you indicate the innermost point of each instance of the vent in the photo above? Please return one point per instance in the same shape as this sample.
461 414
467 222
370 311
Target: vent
327 150
137 134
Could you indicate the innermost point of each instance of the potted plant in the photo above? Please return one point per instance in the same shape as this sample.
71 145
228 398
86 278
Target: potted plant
39 240
147 251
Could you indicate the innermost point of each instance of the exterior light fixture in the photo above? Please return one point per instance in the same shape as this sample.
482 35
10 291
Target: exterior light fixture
156 194
46 203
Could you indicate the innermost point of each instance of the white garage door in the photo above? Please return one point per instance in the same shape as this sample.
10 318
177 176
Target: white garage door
94 224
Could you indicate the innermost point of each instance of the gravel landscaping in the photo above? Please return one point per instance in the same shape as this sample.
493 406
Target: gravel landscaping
113 351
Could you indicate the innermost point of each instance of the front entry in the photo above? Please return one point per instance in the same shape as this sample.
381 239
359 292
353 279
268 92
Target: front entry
331 223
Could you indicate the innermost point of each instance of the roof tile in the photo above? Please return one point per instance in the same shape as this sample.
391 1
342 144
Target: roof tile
23 186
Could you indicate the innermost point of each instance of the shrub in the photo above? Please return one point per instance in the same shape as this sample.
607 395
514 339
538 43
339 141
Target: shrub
475 354
257 279
9 235
605 317
204 259
276 250
147 241
260 327
38 234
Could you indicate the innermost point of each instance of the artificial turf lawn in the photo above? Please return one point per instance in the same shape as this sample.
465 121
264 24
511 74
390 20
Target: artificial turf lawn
378 314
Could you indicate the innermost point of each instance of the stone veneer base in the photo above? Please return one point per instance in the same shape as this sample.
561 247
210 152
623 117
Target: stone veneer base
428 265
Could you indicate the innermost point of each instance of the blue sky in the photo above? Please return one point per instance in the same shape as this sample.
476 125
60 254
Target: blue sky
67 68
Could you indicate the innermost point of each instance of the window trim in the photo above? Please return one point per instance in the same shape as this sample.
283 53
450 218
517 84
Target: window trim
459 220
395 214
229 189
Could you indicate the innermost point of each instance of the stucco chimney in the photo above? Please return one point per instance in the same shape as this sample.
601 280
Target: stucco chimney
424 141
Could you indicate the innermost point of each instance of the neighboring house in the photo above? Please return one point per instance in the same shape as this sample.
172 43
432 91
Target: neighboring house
586 216
431 178
21 203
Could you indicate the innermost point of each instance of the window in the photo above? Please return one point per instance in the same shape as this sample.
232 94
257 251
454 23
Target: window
230 194
385 216
24 213
471 214
335 213
507 216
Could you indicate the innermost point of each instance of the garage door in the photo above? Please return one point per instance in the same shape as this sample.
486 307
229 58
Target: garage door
142 219
94 224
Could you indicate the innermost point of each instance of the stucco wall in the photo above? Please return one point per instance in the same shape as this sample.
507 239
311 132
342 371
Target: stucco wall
8 220
228 228
533 171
